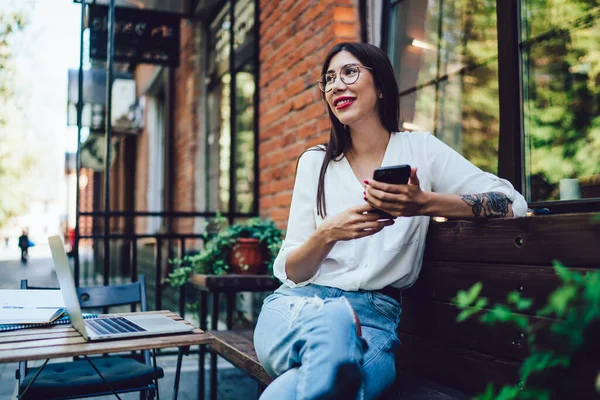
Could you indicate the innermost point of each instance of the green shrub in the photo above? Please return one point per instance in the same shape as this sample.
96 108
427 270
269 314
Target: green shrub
575 307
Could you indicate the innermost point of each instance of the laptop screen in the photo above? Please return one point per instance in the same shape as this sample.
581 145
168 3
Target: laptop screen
67 284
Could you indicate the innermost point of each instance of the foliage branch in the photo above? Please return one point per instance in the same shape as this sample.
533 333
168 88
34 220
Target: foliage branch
574 305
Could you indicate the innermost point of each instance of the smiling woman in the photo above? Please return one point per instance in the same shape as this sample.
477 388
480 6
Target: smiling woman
354 242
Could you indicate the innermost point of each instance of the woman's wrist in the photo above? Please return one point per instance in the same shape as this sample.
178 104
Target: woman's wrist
428 203
323 234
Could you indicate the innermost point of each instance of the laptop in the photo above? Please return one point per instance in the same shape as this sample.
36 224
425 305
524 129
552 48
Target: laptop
105 327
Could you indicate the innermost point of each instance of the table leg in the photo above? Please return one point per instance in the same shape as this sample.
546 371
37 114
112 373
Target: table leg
33 380
213 356
185 350
203 313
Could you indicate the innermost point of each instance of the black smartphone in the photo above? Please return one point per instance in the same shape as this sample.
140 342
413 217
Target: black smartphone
395 174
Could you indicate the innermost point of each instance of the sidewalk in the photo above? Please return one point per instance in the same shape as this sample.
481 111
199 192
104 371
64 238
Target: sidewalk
233 384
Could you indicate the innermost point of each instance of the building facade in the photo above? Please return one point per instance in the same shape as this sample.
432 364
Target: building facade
515 94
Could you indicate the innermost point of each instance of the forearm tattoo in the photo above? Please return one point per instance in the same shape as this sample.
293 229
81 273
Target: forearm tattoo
488 205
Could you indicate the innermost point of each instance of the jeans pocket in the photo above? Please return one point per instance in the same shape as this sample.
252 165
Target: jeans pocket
386 306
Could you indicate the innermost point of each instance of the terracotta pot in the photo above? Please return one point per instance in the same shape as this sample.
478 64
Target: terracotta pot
248 257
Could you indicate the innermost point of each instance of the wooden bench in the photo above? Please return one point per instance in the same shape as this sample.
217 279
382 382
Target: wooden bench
440 358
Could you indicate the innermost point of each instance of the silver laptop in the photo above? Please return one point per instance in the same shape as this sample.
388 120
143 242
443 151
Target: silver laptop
105 327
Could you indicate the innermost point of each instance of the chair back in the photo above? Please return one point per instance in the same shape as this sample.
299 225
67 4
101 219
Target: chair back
108 296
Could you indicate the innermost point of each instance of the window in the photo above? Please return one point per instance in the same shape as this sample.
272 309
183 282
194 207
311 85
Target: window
446 59
560 49
231 113
446 56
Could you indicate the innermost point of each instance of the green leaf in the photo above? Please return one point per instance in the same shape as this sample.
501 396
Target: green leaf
520 303
559 300
466 298
540 361
502 314
488 394
481 302
535 394
508 393
465 314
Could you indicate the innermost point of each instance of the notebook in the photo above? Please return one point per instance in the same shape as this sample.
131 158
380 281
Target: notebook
105 327
30 306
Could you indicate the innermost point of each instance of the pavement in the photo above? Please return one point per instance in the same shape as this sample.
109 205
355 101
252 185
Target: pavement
233 384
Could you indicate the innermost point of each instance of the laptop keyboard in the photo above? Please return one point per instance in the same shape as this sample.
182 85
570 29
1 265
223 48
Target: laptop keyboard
107 326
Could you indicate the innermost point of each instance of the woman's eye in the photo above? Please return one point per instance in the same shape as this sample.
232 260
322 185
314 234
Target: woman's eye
329 78
349 71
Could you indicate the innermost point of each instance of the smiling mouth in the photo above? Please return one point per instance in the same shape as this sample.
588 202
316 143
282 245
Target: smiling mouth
344 103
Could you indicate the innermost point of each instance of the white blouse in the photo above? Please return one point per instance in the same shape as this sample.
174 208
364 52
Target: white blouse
394 255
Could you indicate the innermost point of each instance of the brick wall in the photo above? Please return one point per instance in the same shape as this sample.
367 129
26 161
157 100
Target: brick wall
185 136
295 37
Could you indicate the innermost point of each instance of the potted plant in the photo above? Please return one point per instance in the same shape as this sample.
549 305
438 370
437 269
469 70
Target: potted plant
248 247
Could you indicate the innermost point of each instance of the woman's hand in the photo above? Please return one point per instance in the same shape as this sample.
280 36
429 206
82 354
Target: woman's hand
354 223
396 200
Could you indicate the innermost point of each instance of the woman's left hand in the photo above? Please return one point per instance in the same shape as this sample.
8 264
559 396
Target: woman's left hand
396 200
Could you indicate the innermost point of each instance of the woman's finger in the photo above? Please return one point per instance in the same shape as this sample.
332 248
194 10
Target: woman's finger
372 231
375 216
380 194
386 187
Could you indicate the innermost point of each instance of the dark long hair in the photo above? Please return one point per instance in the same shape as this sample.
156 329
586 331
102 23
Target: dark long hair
389 112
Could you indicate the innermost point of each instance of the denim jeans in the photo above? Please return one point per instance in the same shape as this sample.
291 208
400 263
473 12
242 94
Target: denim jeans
306 338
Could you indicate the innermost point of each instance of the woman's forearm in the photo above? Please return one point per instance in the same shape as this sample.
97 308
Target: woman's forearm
481 205
302 263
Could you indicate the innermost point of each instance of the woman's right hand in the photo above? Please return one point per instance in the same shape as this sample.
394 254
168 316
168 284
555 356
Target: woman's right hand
354 223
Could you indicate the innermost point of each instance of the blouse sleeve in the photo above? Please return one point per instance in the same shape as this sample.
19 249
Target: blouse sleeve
449 172
301 222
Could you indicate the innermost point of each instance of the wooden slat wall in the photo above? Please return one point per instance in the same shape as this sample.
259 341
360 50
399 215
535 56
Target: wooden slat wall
572 238
505 255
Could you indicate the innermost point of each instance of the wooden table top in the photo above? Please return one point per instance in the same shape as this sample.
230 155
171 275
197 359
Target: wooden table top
64 341
235 282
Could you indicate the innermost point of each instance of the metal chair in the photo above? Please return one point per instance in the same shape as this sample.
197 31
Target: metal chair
77 379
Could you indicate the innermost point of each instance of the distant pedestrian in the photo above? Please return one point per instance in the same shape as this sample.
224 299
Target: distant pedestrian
24 244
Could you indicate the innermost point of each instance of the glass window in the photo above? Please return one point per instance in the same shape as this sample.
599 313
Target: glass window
561 91
244 173
218 114
244 22
445 54
220 142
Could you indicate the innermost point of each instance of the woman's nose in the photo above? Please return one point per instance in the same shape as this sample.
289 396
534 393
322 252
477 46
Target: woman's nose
338 84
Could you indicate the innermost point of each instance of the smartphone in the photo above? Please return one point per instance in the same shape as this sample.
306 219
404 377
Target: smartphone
395 174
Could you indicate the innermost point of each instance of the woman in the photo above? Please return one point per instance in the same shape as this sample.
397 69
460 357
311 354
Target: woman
329 331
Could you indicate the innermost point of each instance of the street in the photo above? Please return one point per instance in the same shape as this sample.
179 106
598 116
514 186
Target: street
38 270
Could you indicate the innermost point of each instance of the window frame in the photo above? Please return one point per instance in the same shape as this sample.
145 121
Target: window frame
236 65
511 141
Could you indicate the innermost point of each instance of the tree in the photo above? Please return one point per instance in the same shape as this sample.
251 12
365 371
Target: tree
15 164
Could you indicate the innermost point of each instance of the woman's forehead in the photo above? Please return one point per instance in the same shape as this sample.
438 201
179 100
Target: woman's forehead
340 59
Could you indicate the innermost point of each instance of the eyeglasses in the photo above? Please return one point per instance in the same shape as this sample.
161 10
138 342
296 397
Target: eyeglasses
349 74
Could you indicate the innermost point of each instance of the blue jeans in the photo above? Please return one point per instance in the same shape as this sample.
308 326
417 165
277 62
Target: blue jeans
306 338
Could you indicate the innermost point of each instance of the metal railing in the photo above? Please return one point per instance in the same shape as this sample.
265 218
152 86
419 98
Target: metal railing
126 266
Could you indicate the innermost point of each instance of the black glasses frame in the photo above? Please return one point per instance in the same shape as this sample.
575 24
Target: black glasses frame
321 81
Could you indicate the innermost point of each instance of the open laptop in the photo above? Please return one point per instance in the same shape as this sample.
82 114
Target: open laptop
105 327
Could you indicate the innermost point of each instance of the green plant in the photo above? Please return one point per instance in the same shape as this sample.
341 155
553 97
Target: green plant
213 259
575 307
